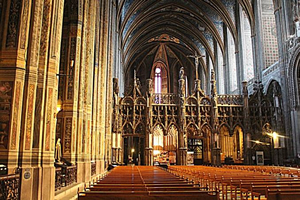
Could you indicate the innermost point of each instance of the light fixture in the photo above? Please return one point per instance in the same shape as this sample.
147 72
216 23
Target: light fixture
275 135
132 150
59 104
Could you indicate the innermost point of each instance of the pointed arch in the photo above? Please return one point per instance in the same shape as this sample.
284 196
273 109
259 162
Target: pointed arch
127 129
171 139
294 74
238 134
192 130
140 129
158 138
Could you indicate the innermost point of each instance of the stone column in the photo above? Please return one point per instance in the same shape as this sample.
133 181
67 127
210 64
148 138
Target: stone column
50 101
97 87
13 57
239 50
226 60
68 76
103 78
257 43
109 85
30 140
85 91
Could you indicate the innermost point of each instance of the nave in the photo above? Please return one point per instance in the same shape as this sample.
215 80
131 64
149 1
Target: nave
196 182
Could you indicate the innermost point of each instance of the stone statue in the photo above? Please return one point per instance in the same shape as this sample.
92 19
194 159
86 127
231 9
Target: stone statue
149 87
116 85
181 73
138 86
116 91
57 155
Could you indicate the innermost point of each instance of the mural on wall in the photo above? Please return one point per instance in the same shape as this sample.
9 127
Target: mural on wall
5 111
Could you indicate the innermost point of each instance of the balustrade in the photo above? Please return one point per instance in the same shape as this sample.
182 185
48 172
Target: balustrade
9 187
70 173
165 99
93 168
57 178
64 176
230 100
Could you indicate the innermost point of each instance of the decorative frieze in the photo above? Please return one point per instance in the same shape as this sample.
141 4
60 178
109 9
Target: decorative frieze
67 137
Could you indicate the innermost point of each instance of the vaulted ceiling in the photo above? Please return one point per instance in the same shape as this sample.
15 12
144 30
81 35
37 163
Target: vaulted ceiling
184 26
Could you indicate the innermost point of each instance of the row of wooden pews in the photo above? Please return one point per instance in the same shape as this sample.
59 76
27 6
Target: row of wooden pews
144 183
242 182
276 170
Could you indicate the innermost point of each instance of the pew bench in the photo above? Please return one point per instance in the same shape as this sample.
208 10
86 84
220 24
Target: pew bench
152 195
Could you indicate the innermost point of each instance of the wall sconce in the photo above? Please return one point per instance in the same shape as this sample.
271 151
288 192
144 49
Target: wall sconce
59 105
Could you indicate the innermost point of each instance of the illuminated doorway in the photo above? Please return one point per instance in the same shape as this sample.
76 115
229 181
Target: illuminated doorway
165 145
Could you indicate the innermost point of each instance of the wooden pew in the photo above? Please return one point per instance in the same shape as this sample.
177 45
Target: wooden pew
283 194
153 195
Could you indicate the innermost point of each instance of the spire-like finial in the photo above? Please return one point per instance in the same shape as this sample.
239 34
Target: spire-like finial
213 83
134 76
213 77
181 73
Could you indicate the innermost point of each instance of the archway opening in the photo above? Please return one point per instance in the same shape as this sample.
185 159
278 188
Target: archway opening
195 146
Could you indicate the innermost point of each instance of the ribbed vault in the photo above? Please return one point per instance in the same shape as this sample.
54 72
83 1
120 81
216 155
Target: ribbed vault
197 25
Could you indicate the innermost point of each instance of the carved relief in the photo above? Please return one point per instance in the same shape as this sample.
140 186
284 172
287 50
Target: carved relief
45 27
49 119
63 59
15 116
5 111
13 23
59 128
67 138
24 23
149 87
71 69
29 117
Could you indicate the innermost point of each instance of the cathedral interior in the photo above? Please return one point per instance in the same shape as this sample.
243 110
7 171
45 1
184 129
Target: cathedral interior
87 85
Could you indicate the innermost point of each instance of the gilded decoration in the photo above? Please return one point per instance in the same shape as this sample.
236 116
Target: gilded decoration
24 23
5 111
29 117
15 116
49 118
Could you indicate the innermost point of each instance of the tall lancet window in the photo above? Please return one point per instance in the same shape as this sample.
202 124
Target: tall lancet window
157 79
